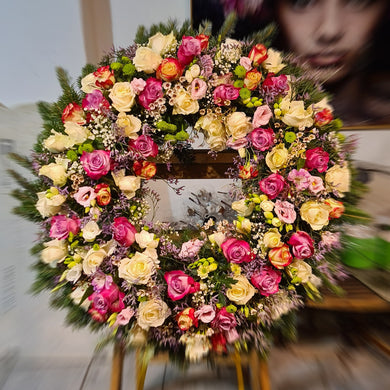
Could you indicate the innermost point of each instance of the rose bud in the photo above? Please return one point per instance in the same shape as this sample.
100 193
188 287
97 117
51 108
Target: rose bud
204 41
258 54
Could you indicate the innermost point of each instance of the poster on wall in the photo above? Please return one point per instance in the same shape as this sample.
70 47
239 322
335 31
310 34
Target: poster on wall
341 43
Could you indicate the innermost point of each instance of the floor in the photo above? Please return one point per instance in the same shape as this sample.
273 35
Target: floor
329 360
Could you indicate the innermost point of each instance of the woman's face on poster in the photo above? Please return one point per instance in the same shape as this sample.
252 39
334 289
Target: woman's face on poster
329 35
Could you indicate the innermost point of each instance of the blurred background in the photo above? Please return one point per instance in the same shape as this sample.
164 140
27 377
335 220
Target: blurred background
36 37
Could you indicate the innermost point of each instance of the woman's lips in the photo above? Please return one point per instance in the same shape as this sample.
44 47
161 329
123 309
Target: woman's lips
326 60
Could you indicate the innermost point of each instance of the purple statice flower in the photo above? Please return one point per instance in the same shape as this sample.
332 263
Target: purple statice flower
207 65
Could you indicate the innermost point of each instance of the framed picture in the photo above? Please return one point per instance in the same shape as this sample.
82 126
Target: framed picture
342 43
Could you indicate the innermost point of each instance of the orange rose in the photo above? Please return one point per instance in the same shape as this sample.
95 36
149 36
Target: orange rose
145 169
258 54
104 77
337 208
103 194
252 79
169 69
280 257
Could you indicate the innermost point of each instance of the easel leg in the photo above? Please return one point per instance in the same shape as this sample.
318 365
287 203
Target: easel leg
259 372
141 366
240 376
117 366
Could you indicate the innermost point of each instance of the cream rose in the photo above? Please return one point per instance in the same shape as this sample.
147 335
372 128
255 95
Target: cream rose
338 179
212 126
243 208
77 134
192 73
240 292
146 240
73 274
57 142
277 158
316 214
238 125
93 259
56 171
137 269
88 83
217 238
216 143
127 184
267 205
122 96
54 251
161 44
49 205
152 313
243 225
273 63
77 295
197 346
129 125
90 231
184 104
146 60
272 239
293 113
299 269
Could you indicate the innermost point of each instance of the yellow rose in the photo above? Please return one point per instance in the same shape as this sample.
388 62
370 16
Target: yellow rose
129 125
88 83
217 238
299 269
92 260
136 270
152 313
243 208
146 60
277 158
77 134
48 206
56 171
274 62
161 44
316 214
272 239
122 96
184 104
294 113
127 184
338 179
238 125
57 142
55 250
240 292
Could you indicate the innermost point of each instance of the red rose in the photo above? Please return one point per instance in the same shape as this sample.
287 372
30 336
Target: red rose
186 318
258 54
189 48
267 280
204 41
262 139
237 251
151 92
96 164
247 171
323 117
224 93
272 185
144 169
302 245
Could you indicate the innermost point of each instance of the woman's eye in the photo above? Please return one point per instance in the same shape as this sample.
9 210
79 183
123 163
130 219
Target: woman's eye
357 5
301 4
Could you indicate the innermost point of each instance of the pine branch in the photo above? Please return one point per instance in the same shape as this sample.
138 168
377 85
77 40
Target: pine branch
228 26
23 161
22 181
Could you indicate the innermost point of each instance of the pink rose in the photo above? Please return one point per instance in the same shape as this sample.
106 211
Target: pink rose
137 85
317 158
262 139
124 317
95 101
301 178
189 48
145 146
198 89
225 92
190 249
272 185
261 116
267 280
302 245
85 195
224 321
236 251
96 164
205 314
61 226
180 284
101 280
285 211
151 92
123 231
246 63
275 85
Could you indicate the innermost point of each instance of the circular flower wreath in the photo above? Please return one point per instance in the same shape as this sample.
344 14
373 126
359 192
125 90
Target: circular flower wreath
229 283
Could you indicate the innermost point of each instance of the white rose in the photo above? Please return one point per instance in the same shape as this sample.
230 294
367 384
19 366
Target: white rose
56 171
243 208
184 104
299 269
122 96
161 44
57 142
274 62
152 313
49 206
238 125
212 126
146 60
92 260
127 184
136 270
293 113
338 179
88 83
77 295
216 143
152 254
129 125
146 240
54 251
73 274
90 231
77 133
240 292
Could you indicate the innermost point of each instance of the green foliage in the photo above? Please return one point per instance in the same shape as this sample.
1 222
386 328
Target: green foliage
266 35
